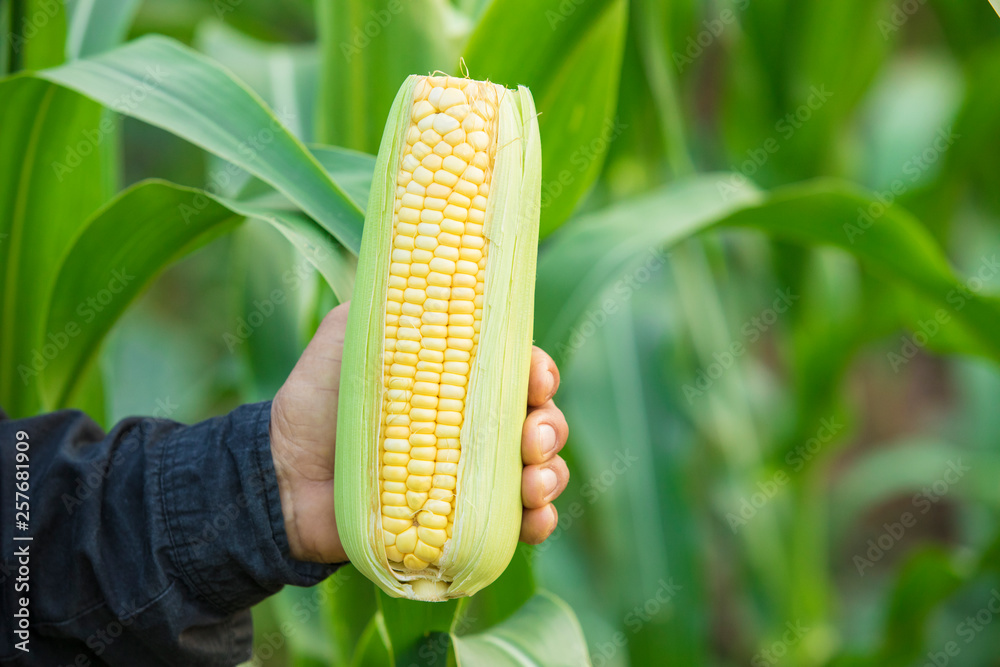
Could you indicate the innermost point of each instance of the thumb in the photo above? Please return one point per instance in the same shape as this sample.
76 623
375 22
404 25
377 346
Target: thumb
305 409
318 369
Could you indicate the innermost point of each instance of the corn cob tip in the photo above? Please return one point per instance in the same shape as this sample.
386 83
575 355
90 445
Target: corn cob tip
429 590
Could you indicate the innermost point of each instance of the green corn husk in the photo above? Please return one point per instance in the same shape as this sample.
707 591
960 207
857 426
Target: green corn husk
488 492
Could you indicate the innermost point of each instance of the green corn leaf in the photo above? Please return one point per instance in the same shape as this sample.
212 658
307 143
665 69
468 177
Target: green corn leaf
168 85
283 75
96 26
604 248
135 237
503 597
368 48
352 170
372 649
301 626
629 461
569 55
544 632
34 35
49 143
418 631
967 26
904 468
926 580
806 73
350 609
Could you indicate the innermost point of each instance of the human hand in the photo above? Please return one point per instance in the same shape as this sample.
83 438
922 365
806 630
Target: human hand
304 427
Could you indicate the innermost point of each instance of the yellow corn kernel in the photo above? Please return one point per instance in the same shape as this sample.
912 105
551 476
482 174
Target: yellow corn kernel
444 482
437 113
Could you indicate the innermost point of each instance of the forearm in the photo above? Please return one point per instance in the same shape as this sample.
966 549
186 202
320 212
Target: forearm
159 533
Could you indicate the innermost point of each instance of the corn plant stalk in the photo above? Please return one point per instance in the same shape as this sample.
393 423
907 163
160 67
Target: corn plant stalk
487 497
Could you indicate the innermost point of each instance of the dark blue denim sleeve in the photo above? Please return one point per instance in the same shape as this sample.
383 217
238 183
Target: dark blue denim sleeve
149 543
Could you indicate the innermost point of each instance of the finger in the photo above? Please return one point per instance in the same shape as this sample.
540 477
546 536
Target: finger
538 524
544 433
541 484
543 380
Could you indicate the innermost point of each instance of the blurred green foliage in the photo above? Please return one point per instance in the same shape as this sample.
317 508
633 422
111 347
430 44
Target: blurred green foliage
770 280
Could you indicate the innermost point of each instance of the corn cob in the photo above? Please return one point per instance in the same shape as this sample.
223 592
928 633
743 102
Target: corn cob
434 379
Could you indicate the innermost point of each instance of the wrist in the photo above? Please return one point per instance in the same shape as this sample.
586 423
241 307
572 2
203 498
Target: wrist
306 504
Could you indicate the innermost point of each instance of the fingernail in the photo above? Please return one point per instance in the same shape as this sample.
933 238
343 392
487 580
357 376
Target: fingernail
549 481
555 519
547 436
552 384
